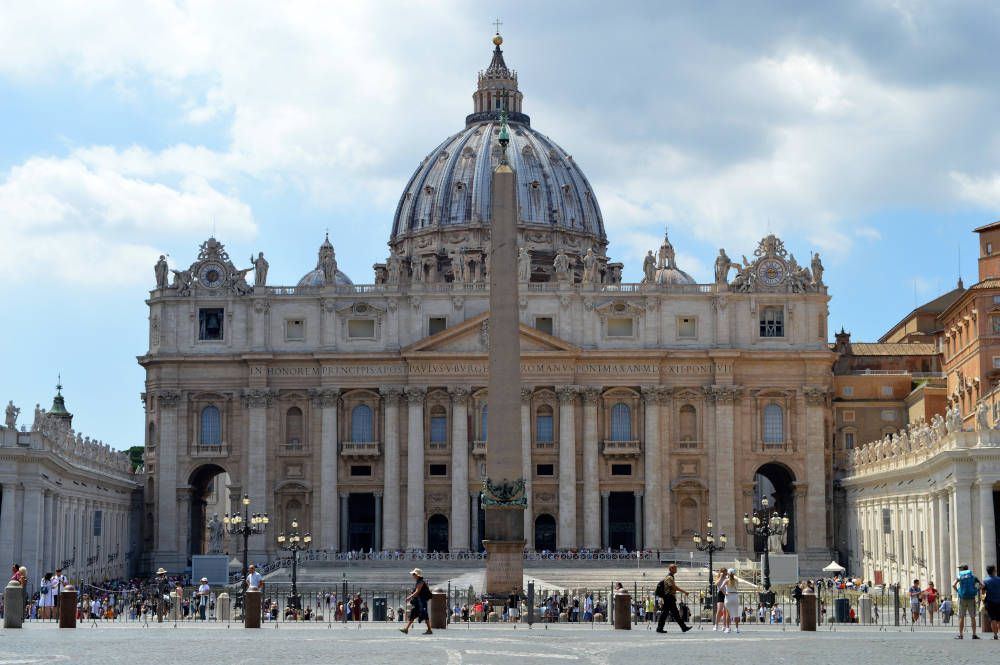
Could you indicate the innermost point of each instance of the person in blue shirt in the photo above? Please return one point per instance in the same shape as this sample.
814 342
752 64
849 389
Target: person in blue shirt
991 597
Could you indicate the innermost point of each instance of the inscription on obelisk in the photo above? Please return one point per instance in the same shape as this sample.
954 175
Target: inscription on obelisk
503 491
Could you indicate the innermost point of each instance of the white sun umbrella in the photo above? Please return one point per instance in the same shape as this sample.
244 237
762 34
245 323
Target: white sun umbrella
834 567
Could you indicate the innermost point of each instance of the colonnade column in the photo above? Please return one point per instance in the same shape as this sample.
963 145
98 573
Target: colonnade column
815 457
345 537
167 402
474 512
526 468
652 396
459 540
566 533
591 478
390 464
7 515
639 541
987 526
327 400
46 554
378 521
605 519
725 466
415 469
961 515
944 539
257 401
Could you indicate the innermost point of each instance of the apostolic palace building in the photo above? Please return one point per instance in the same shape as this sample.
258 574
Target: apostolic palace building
360 408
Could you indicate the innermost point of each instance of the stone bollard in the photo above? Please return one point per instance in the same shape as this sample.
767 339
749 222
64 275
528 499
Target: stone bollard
175 608
67 607
13 602
223 609
807 612
623 611
251 608
437 609
865 608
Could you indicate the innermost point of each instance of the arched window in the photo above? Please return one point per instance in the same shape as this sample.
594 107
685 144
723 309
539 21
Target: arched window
688 426
689 516
151 441
482 423
439 426
544 430
361 424
621 422
211 427
774 424
293 512
293 426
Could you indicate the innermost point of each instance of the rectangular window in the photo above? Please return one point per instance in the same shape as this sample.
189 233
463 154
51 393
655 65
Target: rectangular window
98 518
888 415
994 327
361 470
210 323
437 470
772 322
996 362
621 469
886 391
436 324
996 300
687 327
545 470
544 323
295 330
439 431
848 391
886 521
849 416
361 328
544 428
849 440
620 327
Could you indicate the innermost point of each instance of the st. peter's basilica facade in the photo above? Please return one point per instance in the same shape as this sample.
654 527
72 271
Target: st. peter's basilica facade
361 409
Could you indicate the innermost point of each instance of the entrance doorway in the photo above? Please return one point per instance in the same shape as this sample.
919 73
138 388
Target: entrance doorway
210 502
545 533
437 533
776 483
360 521
621 520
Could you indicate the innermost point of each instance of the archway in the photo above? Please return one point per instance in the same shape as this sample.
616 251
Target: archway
360 521
545 532
209 486
776 482
437 533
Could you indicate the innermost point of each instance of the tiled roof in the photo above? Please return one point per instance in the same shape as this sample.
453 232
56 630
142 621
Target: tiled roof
901 349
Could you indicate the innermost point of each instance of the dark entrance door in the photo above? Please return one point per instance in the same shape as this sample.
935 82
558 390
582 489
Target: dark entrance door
621 520
437 534
361 521
202 483
481 523
545 533
776 483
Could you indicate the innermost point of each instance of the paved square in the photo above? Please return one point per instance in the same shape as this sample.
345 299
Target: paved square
476 645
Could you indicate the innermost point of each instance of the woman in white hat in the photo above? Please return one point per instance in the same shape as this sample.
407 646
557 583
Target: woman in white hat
204 590
731 589
418 602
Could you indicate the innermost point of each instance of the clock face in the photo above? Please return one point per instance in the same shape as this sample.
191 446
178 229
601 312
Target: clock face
212 275
771 272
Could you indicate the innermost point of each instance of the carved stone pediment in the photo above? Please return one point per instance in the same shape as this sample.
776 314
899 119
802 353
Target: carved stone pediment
619 307
472 336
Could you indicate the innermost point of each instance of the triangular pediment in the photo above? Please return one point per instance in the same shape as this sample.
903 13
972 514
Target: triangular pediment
472 336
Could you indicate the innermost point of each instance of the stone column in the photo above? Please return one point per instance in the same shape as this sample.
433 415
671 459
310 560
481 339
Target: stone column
378 521
257 401
415 469
527 472
591 477
327 400
391 535
345 523
724 398
459 540
987 527
944 539
566 532
639 540
605 519
815 458
652 461
474 519
166 483
961 515
31 533
183 525
47 554
7 515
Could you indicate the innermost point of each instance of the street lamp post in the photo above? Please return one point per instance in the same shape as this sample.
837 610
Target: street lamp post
294 543
708 543
245 525
766 523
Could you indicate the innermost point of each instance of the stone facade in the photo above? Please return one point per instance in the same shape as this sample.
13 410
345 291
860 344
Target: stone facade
66 501
361 409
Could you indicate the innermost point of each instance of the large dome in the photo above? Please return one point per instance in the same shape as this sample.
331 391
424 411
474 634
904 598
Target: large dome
446 203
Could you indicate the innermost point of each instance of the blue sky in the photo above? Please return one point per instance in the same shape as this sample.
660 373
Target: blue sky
865 131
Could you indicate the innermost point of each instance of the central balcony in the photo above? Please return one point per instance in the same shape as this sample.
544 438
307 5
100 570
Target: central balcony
360 449
622 448
479 448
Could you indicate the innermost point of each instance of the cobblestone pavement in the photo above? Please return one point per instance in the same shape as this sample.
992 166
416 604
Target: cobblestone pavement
478 645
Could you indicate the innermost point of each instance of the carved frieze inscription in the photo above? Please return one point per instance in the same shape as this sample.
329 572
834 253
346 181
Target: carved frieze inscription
427 368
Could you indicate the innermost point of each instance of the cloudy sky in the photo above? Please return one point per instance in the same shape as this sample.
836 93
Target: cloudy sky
865 131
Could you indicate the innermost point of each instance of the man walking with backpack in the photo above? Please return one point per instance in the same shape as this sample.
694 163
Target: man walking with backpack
667 589
967 586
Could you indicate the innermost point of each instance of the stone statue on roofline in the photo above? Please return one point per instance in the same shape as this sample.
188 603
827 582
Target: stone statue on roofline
11 415
260 266
161 271
723 264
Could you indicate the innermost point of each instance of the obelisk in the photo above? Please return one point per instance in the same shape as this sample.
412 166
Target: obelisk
503 490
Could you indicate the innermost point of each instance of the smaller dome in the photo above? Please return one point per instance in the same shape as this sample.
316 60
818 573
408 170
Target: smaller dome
673 276
316 278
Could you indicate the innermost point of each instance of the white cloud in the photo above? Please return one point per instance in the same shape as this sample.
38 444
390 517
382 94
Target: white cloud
983 190
868 233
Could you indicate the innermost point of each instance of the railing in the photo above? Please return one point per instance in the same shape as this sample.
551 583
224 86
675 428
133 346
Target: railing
897 372
478 447
206 450
292 448
479 287
438 445
689 445
360 449
769 446
622 448
545 445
